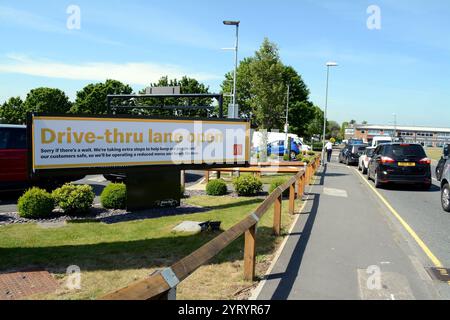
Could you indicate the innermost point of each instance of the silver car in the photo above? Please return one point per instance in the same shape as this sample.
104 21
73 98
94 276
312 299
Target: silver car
363 163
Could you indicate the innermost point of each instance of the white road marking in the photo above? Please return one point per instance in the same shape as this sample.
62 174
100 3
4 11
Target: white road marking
335 192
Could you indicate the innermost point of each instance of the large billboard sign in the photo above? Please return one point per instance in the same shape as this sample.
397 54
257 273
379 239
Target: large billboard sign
61 142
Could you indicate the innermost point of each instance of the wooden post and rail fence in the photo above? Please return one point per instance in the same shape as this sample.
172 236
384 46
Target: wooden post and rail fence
162 284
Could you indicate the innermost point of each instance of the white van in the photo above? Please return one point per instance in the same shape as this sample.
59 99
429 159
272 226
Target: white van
380 140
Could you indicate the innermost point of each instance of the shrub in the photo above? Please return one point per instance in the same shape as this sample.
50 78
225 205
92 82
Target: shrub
36 203
74 199
279 182
317 146
286 157
306 160
247 185
299 157
114 196
216 188
311 153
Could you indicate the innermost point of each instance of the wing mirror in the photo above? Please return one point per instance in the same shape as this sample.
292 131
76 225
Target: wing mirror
446 151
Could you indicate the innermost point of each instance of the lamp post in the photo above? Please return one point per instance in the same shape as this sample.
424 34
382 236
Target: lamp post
236 48
329 64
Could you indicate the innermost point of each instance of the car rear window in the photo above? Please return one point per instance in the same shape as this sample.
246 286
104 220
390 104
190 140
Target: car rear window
406 150
13 138
359 149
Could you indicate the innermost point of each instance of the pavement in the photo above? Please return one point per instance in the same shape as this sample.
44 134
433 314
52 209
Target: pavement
349 245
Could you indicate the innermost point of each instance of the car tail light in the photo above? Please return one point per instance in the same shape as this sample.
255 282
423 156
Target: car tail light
385 160
425 161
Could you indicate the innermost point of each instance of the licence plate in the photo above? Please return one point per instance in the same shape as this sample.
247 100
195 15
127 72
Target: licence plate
406 164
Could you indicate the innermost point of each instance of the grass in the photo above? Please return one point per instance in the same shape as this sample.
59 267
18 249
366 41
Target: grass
113 255
434 153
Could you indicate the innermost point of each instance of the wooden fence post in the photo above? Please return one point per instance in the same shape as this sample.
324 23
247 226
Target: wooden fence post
250 254
292 199
277 216
206 176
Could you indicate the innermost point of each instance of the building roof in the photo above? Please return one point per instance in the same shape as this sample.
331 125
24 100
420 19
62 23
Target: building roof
401 128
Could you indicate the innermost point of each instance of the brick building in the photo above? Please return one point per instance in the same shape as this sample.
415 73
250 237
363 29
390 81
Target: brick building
428 136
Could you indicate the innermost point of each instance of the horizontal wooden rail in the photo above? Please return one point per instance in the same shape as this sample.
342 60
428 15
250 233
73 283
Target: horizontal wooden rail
158 285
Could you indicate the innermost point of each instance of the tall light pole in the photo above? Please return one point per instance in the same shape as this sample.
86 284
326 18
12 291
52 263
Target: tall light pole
329 64
236 48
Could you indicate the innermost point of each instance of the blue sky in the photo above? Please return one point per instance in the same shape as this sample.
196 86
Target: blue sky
403 68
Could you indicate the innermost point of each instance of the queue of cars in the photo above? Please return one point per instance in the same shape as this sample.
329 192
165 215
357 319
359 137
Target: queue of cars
387 162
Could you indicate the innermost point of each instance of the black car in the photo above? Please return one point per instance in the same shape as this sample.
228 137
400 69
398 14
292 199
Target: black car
400 163
351 153
441 163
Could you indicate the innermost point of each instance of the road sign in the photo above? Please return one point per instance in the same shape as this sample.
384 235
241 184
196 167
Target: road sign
61 142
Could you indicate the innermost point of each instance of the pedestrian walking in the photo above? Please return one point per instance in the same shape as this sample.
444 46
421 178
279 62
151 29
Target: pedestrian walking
329 149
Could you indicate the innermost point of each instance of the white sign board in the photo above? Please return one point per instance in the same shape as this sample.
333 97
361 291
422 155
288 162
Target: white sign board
85 142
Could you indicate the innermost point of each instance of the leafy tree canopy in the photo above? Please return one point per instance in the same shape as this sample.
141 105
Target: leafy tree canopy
92 98
12 111
48 100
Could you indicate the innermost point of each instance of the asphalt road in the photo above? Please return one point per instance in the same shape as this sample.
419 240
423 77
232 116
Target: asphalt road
8 201
347 226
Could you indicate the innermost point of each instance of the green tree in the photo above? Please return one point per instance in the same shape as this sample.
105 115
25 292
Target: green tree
268 87
243 86
315 126
92 98
188 86
301 111
48 100
333 129
12 111
262 90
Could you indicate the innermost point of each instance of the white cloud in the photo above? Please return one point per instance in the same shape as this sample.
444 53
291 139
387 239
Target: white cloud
35 22
138 73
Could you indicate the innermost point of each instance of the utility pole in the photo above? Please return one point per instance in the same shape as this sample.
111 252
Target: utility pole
286 126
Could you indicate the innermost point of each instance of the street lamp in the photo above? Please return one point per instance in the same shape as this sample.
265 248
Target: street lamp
234 23
329 64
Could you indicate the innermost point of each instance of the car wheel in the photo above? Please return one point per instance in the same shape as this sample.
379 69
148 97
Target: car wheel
364 169
438 174
445 197
293 155
377 181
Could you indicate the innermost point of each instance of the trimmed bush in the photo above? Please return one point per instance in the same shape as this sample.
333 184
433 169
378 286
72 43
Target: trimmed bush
74 199
279 182
317 146
35 203
216 188
247 185
114 196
